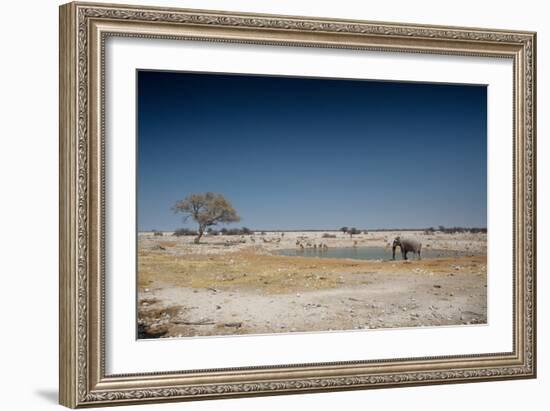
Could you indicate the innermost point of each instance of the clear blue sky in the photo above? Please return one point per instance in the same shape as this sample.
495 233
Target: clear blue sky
299 153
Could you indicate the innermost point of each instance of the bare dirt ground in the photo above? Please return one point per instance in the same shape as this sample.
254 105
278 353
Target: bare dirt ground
232 285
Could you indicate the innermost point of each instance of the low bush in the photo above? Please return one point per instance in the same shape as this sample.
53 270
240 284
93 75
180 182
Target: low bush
236 231
455 230
184 231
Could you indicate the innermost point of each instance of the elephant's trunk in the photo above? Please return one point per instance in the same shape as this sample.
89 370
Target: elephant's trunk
393 252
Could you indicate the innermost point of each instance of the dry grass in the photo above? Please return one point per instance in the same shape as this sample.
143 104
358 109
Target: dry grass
278 274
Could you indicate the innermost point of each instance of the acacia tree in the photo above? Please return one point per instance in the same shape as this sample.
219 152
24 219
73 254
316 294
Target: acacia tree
207 209
353 231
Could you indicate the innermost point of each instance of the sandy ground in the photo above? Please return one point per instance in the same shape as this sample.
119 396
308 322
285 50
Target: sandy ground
237 285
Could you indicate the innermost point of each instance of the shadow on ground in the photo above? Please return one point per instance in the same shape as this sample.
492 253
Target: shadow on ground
50 395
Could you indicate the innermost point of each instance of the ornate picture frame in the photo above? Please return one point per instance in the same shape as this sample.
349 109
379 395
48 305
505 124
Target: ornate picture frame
84 28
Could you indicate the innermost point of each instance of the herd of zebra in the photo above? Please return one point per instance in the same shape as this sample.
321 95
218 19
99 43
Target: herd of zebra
301 245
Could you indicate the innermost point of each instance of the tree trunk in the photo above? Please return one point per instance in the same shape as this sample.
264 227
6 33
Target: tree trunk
201 232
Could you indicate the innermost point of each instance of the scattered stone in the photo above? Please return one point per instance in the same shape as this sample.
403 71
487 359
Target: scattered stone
205 321
236 324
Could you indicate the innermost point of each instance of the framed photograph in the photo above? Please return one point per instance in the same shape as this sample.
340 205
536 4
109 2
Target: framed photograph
259 204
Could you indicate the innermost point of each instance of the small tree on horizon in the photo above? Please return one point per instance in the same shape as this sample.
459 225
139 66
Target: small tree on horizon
207 210
344 229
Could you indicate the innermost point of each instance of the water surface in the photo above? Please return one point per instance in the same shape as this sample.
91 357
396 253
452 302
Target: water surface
369 253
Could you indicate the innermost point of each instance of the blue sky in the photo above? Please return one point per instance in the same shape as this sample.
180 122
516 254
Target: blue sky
306 153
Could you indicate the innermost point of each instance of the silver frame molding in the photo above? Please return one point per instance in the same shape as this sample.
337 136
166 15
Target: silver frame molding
83 30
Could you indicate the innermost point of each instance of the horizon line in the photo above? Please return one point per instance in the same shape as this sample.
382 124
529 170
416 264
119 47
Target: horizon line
335 229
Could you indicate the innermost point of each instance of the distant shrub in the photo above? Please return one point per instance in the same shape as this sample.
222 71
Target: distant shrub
158 233
327 235
236 231
456 230
184 231
353 230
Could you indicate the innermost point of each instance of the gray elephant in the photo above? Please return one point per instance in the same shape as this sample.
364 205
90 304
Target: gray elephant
406 245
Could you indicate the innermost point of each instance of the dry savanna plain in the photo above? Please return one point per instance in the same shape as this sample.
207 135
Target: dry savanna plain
243 284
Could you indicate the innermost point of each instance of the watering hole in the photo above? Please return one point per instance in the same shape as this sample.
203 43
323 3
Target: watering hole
369 253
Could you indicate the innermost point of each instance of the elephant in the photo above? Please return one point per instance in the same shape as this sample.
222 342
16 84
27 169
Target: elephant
406 245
